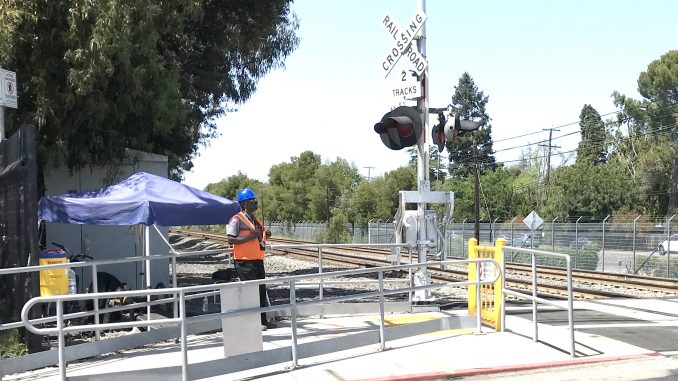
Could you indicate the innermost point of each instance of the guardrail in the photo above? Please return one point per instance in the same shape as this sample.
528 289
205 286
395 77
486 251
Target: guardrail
534 298
182 294
95 294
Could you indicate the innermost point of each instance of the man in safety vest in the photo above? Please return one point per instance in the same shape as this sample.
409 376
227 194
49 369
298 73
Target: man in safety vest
248 237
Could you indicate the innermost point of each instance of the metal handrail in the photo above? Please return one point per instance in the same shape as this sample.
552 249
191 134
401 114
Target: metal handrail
60 330
94 264
570 301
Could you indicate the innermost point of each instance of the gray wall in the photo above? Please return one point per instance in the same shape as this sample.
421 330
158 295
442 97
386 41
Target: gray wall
109 242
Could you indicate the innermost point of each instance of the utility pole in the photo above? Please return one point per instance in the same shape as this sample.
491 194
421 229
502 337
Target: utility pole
368 172
476 196
548 154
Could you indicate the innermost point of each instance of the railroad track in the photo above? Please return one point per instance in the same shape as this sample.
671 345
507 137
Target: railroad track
551 281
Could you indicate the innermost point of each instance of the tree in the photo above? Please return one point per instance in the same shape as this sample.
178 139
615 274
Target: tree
98 77
469 103
591 190
592 148
650 151
290 187
437 170
379 198
659 85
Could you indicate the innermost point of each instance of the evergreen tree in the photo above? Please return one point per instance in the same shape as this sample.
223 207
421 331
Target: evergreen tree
469 103
592 148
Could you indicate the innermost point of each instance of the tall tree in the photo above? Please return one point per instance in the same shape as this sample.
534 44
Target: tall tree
290 187
469 103
651 149
97 77
659 85
592 148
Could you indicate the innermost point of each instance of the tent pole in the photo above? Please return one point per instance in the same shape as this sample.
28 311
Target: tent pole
147 270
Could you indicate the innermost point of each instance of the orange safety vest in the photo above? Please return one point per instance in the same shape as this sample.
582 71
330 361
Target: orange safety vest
250 250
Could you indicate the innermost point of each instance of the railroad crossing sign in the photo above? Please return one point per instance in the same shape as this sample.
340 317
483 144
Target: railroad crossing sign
533 221
8 97
403 43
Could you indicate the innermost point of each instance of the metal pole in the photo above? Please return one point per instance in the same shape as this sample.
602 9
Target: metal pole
2 123
479 302
463 239
62 339
535 338
635 222
603 250
668 246
576 240
293 321
147 270
494 228
184 333
553 235
382 336
95 289
423 183
320 271
513 253
570 305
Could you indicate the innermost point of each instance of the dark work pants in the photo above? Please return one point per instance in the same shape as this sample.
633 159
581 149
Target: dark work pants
251 270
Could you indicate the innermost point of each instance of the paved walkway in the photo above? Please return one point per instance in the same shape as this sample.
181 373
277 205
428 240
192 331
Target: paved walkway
452 351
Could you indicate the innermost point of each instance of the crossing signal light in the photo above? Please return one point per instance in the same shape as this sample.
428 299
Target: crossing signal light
399 128
448 128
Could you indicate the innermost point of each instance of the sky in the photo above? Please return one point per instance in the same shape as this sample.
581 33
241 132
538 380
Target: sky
539 62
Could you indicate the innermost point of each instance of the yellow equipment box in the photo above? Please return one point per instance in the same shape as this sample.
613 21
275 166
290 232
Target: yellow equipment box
54 281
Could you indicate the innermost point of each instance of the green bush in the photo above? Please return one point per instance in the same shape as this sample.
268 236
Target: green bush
11 345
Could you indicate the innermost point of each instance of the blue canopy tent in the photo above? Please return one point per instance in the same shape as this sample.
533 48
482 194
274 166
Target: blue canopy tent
144 199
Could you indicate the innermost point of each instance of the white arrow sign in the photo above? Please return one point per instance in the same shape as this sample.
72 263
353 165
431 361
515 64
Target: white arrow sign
403 43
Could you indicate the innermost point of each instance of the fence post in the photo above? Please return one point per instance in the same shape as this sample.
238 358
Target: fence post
603 250
493 229
463 230
668 246
553 235
513 253
576 241
635 233
448 241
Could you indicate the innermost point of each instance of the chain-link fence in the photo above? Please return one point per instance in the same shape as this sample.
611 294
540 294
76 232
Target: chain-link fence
625 247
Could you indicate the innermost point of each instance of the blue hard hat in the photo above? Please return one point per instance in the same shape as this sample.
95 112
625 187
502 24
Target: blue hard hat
246 194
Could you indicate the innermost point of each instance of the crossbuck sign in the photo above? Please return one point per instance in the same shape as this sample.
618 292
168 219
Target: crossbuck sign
403 43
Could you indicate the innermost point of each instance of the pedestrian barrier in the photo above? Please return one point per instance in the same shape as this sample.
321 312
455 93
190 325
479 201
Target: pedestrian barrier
490 295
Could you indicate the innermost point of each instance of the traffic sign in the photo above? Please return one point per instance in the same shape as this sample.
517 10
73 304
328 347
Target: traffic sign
8 91
407 87
533 221
404 43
